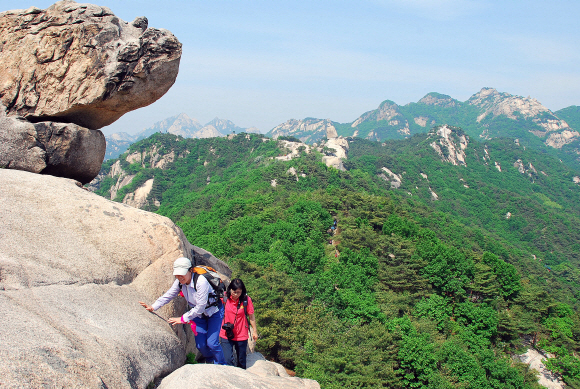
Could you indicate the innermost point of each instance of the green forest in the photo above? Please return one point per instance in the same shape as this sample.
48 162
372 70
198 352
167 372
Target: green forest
406 291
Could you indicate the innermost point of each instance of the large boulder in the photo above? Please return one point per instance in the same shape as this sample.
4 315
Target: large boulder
73 267
58 149
79 63
261 374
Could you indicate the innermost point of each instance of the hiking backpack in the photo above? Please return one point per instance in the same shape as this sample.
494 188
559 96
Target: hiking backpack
212 276
216 283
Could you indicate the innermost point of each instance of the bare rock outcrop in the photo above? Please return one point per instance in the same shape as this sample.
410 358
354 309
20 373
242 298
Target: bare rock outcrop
74 265
308 130
389 112
138 198
339 152
561 138
293 149
530 170
335 151
261 374
155 157
450 144
546 378
79 63
395 179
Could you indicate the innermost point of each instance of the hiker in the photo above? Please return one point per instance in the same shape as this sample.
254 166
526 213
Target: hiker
239 309
206 312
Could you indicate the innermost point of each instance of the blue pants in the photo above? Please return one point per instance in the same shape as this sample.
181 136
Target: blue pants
228 347
207 338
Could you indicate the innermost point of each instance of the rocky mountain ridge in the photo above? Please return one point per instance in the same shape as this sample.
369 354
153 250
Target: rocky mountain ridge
452 145
483 115
309 130
181 125
161 155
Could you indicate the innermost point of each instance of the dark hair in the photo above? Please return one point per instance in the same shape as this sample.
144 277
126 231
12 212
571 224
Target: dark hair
236 284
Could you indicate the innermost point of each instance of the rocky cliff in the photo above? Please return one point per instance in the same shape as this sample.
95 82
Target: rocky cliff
74 266
450 144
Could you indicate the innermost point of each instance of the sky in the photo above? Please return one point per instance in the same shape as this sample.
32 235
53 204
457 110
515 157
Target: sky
260 63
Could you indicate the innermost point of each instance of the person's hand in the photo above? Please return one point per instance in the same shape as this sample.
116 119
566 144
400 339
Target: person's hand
147 307
174 320
255 336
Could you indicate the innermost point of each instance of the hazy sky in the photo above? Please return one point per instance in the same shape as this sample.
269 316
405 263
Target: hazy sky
259 63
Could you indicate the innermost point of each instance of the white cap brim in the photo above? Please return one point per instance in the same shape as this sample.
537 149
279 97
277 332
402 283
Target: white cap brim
180 271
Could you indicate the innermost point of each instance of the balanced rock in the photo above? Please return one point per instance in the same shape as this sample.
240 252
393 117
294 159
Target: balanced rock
68 71
74 266
79 63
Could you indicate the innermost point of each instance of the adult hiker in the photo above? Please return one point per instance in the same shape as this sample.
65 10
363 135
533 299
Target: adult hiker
206 312
239 309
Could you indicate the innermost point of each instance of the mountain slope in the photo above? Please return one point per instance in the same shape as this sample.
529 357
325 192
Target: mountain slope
446 252
571 115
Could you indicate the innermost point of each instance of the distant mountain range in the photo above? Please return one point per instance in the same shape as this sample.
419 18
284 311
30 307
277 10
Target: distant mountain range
181 125
485 115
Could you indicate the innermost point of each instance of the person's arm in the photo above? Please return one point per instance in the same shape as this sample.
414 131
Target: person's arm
253 324
252 318
161 301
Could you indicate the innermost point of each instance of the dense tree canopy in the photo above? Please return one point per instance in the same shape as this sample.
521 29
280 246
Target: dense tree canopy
405 291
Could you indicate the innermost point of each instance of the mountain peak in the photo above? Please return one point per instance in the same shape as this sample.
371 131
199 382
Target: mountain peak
387 110
183 116
490 101
223 126
438 99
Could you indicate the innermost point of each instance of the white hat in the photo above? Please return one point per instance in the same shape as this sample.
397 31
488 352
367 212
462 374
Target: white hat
181 266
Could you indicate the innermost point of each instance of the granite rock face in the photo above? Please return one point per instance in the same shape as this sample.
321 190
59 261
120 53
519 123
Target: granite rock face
73 267
261 374
450 143
79 63
58 149
308 130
